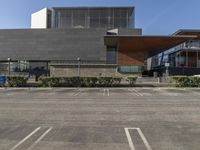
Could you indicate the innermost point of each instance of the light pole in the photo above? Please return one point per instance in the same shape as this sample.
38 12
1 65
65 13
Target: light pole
9 59
79 63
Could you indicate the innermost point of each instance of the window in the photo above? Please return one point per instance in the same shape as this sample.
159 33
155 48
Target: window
79 18
111 55
198 59
131 69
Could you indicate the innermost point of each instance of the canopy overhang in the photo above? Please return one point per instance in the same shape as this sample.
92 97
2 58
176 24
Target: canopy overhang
188 32
149 44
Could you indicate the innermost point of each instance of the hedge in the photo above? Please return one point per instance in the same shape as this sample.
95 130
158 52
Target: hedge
79 81
131 80
17 81
186 81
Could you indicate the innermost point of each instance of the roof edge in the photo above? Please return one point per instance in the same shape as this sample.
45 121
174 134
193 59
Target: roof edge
85 7
183 36
186 30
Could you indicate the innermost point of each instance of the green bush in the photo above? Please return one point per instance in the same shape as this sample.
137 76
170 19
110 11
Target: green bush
79 81
116 81
60 81
90 81
196 81
16 81
105 81
186 81
131 80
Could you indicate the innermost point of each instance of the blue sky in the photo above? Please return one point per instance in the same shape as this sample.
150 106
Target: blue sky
154 16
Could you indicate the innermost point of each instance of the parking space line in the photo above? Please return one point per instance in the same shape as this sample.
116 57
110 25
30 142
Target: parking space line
146 143
106 92
77 92
26 138
130 141
140 94
135 92
40 138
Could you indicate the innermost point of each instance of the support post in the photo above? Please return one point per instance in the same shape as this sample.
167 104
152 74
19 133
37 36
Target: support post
79 66
9 66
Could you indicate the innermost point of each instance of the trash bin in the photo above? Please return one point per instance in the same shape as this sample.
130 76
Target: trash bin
2 80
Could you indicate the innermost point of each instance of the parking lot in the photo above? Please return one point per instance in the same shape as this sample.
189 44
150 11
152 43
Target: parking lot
99 119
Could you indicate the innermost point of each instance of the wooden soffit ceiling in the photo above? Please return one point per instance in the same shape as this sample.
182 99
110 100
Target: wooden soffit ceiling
146 43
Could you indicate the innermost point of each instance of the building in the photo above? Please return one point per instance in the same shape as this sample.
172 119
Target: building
183 59
86 41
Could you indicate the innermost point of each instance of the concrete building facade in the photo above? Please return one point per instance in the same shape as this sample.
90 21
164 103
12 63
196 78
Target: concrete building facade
183 59
98 40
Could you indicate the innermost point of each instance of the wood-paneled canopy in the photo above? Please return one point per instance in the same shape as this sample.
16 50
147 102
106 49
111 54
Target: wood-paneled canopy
146 43
132 50
188 32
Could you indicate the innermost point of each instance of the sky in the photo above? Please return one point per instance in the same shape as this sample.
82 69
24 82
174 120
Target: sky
155 17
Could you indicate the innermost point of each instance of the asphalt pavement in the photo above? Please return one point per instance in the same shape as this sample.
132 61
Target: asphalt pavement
99 119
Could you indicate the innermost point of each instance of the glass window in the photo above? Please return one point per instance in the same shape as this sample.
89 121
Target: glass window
93 18
111 55
66 19
192 59
131 69
181 59
79 19
198 63
49 20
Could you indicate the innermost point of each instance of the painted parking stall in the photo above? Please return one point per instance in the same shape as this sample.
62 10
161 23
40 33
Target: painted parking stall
85 118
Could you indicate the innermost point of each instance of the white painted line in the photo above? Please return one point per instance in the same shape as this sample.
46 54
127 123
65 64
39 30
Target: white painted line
130 142
104 92
40 138
134 92
108 92
77 92
26 138
140 94
146 143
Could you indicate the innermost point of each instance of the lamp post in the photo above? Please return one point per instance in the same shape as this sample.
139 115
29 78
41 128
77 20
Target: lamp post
9 59
79 63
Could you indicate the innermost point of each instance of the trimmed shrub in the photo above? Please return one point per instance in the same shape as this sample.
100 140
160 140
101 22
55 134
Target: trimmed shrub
105 81
186 81
182 81
17 81
90 81
116 81
196 81
131 80
79 81
45 81
61 81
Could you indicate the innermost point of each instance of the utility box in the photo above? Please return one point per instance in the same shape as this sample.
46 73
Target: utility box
2 80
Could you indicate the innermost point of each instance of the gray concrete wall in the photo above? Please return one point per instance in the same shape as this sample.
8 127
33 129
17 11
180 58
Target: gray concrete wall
55 44
52 44
130 31
85 70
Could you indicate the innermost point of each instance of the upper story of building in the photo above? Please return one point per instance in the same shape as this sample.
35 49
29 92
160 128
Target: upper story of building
84 17
190 44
